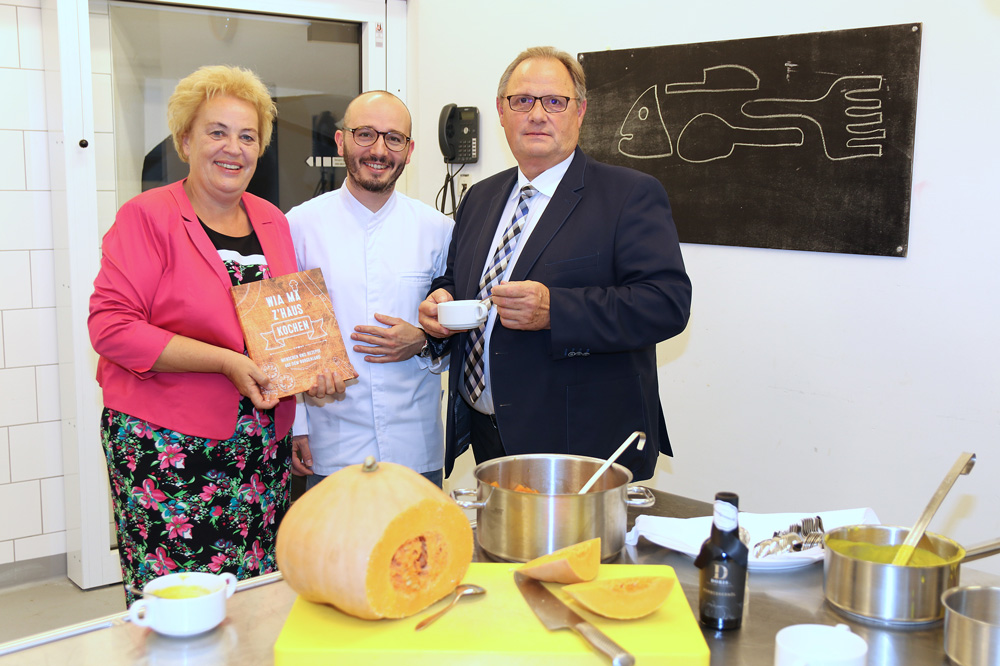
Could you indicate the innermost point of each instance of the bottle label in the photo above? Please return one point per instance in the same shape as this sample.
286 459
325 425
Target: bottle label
722 591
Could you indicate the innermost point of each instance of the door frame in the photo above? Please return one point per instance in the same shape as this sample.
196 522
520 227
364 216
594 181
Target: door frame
90 559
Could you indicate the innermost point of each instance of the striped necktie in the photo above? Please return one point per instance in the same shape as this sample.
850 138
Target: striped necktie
474 379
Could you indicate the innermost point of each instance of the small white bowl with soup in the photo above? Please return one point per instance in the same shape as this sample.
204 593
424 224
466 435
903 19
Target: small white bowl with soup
183 604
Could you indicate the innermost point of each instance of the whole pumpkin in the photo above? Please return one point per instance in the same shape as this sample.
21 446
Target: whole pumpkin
376 540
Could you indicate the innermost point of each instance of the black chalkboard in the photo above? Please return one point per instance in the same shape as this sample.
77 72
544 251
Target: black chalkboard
798 142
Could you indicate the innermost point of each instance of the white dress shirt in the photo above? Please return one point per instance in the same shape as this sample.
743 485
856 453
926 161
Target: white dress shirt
380 262
546 184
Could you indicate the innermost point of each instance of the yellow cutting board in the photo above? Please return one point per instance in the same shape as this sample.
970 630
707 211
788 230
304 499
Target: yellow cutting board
496 628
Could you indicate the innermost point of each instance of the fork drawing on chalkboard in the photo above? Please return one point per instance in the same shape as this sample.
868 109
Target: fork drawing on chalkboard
848 115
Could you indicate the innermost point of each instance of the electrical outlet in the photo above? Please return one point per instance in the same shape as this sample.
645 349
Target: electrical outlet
464 181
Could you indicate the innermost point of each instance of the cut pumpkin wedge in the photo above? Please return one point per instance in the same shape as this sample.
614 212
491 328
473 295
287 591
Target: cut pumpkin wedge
572 564
622 598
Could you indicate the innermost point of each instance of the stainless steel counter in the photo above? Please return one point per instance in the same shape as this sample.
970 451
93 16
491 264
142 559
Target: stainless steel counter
258 611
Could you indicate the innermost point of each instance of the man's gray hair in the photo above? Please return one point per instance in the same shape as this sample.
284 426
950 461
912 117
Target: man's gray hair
569 62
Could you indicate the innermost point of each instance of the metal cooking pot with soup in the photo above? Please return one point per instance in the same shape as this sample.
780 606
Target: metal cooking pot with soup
860 581
528 505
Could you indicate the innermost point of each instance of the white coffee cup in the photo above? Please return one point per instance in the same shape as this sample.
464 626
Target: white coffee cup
462 315
819 645
184 615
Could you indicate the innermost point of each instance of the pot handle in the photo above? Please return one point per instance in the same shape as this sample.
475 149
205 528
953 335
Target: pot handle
982 550
645 495
466 504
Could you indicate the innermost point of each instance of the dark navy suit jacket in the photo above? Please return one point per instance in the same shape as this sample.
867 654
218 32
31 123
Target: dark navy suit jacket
606 248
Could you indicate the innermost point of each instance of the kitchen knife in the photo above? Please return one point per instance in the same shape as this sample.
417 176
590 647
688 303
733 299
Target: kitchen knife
554 614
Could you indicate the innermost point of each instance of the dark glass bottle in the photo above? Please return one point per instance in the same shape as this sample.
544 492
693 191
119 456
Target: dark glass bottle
723 564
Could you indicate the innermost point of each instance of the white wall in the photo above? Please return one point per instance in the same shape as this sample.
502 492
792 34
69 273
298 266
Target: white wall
32 523
805 381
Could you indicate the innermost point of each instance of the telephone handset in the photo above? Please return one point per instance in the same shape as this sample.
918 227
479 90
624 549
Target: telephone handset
458 134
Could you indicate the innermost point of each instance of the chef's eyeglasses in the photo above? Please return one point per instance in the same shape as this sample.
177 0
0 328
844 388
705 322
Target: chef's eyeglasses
367 136
551 103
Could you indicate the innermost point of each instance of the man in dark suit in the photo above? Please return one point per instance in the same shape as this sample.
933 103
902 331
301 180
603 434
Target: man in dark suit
582 263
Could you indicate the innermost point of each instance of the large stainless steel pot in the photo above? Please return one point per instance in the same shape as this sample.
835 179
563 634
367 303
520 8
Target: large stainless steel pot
972 625
519 526
889 594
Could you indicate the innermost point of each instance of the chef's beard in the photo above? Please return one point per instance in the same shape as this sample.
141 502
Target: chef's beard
360 178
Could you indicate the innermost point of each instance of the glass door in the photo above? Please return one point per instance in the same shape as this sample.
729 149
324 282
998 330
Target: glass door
311 66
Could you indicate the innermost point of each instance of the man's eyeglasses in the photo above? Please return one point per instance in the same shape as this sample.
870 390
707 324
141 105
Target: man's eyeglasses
551 103
367 136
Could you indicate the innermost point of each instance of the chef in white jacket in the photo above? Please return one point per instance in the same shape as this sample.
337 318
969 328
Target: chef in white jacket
379 250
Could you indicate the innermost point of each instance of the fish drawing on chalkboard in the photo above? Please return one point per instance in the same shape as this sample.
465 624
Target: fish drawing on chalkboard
645 120
792 142
848 117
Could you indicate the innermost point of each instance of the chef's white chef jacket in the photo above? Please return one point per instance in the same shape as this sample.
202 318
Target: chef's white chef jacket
380 262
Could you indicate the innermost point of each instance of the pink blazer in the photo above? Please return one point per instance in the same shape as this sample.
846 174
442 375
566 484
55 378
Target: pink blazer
161 276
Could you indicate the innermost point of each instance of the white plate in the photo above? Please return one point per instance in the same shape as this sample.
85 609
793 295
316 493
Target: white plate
462 327
686 535
785 561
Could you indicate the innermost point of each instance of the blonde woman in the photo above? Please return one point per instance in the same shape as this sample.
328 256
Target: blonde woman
199 461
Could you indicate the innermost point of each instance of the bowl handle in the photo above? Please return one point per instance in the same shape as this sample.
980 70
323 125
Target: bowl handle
466 504
645 495
139 614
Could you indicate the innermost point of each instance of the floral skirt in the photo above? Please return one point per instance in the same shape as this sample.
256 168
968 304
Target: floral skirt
186 503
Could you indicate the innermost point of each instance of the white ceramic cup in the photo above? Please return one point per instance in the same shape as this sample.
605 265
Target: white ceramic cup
186 616
461 315
819 645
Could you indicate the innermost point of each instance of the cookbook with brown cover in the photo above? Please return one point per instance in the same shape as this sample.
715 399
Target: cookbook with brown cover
291 331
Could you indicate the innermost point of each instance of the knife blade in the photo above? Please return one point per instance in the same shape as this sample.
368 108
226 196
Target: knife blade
554 614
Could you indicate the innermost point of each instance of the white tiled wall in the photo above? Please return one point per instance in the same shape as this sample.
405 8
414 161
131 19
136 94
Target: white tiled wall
32 523
4 458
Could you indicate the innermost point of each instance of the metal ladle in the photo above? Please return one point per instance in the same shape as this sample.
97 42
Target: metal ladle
464 590
962 466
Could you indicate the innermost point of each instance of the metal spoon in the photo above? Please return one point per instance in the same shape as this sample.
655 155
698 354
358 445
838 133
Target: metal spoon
963 465
460 591
607 463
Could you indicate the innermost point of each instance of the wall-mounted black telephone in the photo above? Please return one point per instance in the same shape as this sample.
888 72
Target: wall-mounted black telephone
458 134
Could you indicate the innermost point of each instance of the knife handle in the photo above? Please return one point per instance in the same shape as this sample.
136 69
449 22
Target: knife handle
594 636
